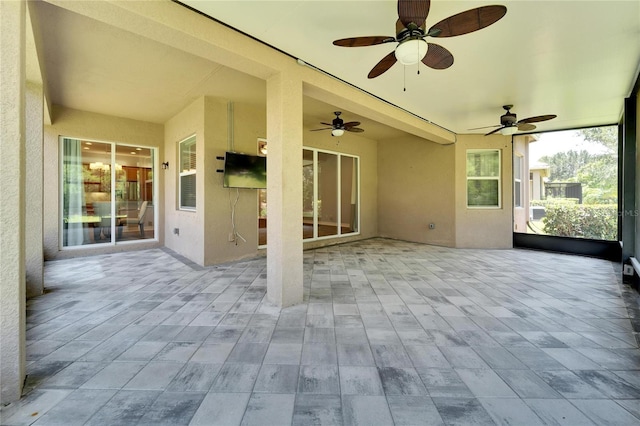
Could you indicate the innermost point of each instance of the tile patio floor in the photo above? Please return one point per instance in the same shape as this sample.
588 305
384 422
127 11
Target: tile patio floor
389 333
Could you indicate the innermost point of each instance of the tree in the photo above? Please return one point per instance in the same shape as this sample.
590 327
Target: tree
564 166
606 136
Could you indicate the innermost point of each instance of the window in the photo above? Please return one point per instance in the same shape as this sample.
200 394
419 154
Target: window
107 192
517 181
187 186
330 201
483 178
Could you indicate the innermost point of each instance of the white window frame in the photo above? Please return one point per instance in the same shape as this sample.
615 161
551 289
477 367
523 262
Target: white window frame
183 173
518 171
497 178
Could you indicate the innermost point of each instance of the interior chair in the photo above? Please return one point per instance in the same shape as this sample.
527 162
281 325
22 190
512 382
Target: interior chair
103 210
140 219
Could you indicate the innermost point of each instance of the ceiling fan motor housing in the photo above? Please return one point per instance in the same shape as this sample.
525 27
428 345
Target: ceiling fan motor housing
509 119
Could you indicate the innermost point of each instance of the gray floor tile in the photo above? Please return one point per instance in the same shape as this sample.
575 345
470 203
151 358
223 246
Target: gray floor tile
287 335
221 409
509 411
609 384
569 385
401 381
319 354
234 377
312 409
413 411
177 351
390 356
277 378
485 383
77 408
462 411
32 406
536 359
527 384
319 379
355 354
463 357
499 358
114 376
363 410
356 380
557 412
605 411
283 353
155 376
250 353
269 409
194 377
444 383
215 353
572 359
427 357
172 408
125 408
74 375
142 351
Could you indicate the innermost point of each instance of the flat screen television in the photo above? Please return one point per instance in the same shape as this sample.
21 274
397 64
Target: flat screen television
245 171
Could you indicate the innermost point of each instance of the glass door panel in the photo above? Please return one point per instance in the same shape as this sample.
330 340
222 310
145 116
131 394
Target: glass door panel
327 208
348 195
308 195
86 192
134 217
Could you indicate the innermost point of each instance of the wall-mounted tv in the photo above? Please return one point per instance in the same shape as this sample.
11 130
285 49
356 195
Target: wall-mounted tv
245 171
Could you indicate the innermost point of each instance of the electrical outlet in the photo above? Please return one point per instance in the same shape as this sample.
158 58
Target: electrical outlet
176 231
432 226
231 237
627 270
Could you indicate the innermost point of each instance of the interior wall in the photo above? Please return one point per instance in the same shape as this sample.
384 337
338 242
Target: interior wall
483 228
90 126
367 150
416 188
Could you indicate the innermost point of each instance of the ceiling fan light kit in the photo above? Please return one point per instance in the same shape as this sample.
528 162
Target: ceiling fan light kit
508 131
411 51
337 132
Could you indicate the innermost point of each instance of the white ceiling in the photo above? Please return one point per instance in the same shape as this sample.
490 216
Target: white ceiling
576 59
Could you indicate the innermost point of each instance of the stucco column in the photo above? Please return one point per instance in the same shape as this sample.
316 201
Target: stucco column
284 189
12 189
34 103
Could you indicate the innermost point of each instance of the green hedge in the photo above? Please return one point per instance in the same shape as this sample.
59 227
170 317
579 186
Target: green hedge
599 222
550 201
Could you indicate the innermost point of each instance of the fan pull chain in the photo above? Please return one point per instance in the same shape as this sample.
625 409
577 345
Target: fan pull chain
404 78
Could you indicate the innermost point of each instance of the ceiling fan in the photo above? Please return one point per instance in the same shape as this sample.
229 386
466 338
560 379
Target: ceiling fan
411 33
338 126
509 123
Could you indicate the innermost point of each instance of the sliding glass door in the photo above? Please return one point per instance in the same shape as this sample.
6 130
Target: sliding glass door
107 193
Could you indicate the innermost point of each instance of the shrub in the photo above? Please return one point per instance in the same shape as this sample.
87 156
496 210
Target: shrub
599 222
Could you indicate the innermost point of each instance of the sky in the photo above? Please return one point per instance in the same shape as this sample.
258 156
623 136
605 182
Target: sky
553 142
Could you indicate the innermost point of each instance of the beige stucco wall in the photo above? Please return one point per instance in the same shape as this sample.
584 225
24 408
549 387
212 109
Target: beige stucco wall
416 188
483 228
99 127
521 214
637 209
204 234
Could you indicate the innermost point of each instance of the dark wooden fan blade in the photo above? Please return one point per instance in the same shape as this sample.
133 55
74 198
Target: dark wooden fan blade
354 129
485 127
324 128
351 124
437 57
469 21
382 66
493 131
326 124
415 11
525 127
363 41
538 118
